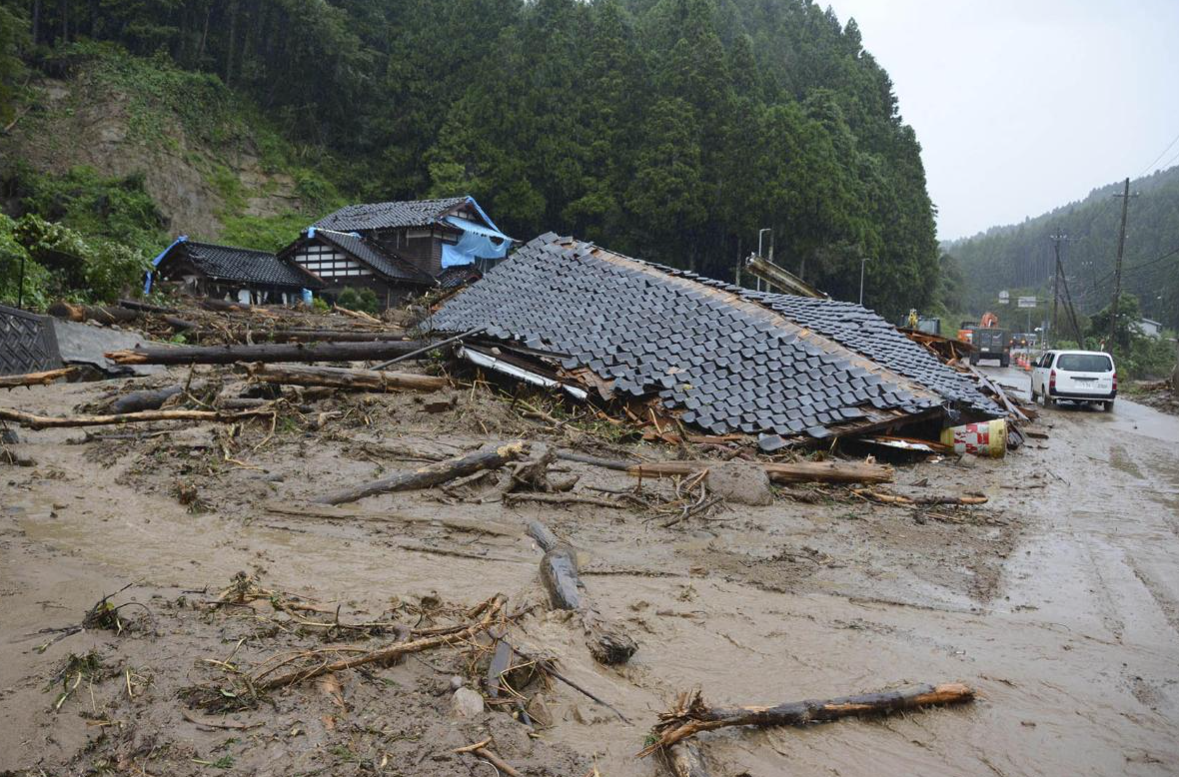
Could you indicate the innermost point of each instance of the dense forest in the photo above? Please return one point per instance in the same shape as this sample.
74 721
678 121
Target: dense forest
1021 256
669 129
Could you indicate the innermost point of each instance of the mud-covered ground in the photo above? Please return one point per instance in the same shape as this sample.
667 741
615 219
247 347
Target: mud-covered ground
1058 600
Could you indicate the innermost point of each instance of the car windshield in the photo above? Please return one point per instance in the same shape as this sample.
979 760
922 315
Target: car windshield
1084 362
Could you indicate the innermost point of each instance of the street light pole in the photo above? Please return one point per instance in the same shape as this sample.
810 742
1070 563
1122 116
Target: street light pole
862 261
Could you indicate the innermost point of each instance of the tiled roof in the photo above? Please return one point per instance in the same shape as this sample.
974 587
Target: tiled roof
453 277
728 361
243 265
387 215
392 267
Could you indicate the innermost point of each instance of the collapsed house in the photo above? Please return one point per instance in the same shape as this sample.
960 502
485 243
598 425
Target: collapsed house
565 313
418 239
346 260
228 272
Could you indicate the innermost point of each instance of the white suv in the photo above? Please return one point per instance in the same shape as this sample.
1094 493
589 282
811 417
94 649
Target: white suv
1081 376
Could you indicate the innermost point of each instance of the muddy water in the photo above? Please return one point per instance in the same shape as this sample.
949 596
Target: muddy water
1074 644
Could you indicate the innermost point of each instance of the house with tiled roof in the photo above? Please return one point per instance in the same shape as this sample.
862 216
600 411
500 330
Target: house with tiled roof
421 238
346 260
231 273
566 313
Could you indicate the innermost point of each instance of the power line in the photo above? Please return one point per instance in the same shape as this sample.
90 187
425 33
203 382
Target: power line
1160 156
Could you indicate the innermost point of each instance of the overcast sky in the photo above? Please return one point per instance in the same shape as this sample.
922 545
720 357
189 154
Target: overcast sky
1024 105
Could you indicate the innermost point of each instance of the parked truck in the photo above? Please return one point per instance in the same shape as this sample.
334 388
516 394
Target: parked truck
991 343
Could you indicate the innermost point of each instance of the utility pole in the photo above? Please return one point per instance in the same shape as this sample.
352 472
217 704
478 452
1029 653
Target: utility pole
1056 280
1113 310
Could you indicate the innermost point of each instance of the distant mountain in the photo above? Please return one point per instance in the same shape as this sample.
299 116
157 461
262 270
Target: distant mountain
1020 256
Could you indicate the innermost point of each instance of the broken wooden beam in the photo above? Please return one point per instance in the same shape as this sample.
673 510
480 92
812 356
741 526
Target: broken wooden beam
692 716
33 421
488 457
145 399
788 472
685 760
36 378
340 377
607 643
267 352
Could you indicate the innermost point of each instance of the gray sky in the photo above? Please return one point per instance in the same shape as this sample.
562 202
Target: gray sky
1024 105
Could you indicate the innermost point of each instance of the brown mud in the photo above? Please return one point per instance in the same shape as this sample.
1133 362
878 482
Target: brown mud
1058 600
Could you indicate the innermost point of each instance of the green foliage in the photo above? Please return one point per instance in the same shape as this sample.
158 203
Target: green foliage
364 300
111 208
60 262
264 233
1137 355
673 129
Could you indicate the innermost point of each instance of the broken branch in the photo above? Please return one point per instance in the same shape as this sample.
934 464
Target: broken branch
489 457
691 715
46 422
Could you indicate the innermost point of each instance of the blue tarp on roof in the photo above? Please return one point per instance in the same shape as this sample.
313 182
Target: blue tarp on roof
477 242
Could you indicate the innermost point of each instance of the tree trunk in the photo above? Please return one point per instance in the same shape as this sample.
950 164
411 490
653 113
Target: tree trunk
336 377
295 352
608 643
488 457
692 715
103 314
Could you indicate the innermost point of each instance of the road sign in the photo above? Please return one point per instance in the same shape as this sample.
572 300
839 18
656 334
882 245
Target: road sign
1027 302
1004 298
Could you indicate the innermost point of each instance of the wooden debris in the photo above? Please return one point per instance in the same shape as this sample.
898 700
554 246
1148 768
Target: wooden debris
558 569
47 422
480 749
146 399
313 663
36 378
691 715
562 499
897 499
103 314
269 352
789 472
339 377
488 457
685 760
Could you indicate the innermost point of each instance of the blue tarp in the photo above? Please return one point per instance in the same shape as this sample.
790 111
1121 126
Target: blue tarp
477 242
159 258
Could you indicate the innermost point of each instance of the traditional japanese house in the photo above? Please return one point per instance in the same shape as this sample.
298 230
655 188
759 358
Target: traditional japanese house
429 235
345 260
236 274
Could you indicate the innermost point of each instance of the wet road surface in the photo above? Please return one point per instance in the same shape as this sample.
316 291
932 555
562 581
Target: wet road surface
1075 651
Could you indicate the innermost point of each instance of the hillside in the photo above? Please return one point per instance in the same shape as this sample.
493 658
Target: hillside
213 167
1021 256
671 129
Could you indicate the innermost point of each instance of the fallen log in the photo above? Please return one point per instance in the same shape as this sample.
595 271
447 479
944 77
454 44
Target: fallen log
49 422
790 472
904 501
558 570
149 399
685 760
267 352
488 457
103 314
597 461
561 499
36 378
339 377
691 715
145 307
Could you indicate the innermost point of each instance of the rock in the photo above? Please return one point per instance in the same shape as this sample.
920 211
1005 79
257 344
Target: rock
740 483
466 703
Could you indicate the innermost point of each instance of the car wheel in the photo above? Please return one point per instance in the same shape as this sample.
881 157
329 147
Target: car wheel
1108 406
1049 401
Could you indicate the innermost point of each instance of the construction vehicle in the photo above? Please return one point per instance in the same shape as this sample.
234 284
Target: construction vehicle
990 342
